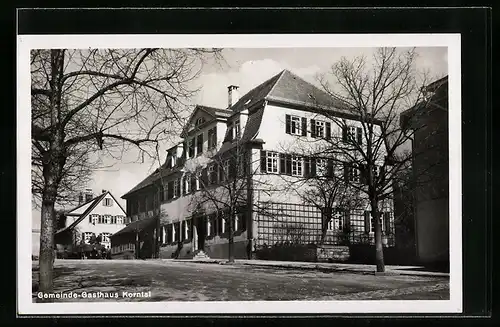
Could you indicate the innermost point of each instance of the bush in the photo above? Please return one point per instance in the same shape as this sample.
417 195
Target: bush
286 251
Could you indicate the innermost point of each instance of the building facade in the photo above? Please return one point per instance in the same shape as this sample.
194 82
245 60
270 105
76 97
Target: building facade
96 216
431 173
251 162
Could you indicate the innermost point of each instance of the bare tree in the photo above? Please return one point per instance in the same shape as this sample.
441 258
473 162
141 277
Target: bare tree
368 145
227 184
109 101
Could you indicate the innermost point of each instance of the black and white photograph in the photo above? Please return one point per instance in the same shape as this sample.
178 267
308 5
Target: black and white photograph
239 173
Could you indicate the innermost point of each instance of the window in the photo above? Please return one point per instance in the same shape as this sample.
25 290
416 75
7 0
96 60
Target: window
169 236
197 181
319 128
351 173
321 167
107 219
212 138
212 174
176 190
295 125
187 184
236 129
241 165
113 219
191 148
93 219
119 220
199 121
105 237
373 223
199 144
353 134
272 162
87 236
296 166
224 171
108 202
240 222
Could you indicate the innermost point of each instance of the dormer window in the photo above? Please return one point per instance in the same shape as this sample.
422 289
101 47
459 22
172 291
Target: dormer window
199 121
236 129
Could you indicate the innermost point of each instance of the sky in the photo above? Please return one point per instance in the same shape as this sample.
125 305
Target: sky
248 68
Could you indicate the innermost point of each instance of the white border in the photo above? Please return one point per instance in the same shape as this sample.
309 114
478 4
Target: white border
27 42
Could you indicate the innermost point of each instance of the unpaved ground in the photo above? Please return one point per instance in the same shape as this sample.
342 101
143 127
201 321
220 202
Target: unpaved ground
182 281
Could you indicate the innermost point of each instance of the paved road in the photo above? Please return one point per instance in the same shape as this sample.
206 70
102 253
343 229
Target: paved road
185 281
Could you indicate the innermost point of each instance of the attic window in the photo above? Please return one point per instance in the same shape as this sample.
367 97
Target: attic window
199 121
248 101
311 96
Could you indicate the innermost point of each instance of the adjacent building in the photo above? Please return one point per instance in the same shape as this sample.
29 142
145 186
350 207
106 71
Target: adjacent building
241 161
430 170
95 216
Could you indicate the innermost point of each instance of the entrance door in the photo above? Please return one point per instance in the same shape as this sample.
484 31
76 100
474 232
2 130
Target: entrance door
201 227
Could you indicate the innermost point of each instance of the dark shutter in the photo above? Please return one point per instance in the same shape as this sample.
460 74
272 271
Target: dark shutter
307 166
329 167
222 175
282 163
178 193
367 221
346 172
204 178
381 174
263 161
360 135
347 219
363 178
304 126
230 133
287 124
313 128
193 182
313 167
232 168
387 223
288 164
344 133
328 131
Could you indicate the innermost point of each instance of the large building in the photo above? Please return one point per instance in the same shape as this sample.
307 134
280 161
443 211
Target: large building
429 120
259 140
95 216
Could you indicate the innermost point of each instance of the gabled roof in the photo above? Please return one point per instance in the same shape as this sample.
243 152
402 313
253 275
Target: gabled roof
90 205
212 111
152 178
289 88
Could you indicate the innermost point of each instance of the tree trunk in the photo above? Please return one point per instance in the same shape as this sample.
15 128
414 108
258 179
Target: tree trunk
379 250
46 258
231 237
324 226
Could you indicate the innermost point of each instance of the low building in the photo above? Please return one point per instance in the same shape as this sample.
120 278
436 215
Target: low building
430 170
95 216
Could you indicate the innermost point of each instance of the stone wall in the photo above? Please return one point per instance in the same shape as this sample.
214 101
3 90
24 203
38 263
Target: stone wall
333 253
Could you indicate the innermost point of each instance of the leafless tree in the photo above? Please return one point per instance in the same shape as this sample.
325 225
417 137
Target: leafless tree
370 152
90 103
227 184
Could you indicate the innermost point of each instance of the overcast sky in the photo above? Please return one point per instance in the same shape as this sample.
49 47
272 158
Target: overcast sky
247 68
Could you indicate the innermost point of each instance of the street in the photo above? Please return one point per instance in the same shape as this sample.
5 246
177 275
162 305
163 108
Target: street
167 280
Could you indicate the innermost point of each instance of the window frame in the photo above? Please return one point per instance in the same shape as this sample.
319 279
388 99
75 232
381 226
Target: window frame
272 160
319 124
295 122
297 166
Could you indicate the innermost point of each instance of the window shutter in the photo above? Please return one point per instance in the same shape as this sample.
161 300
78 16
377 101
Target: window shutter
288 163
204 178
360 135
328 130
387 222
313 128
344 133
367 221
346 172
282 163
329 167
304 126
313 167
193 182
287 124
381 174
221 172
363 174
307 166
184 184
263 161
232 168
347 219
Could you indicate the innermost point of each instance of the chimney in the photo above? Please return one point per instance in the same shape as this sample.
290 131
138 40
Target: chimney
80 198
103 191
88 194
232 95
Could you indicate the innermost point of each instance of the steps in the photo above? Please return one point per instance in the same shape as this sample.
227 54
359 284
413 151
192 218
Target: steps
201 255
